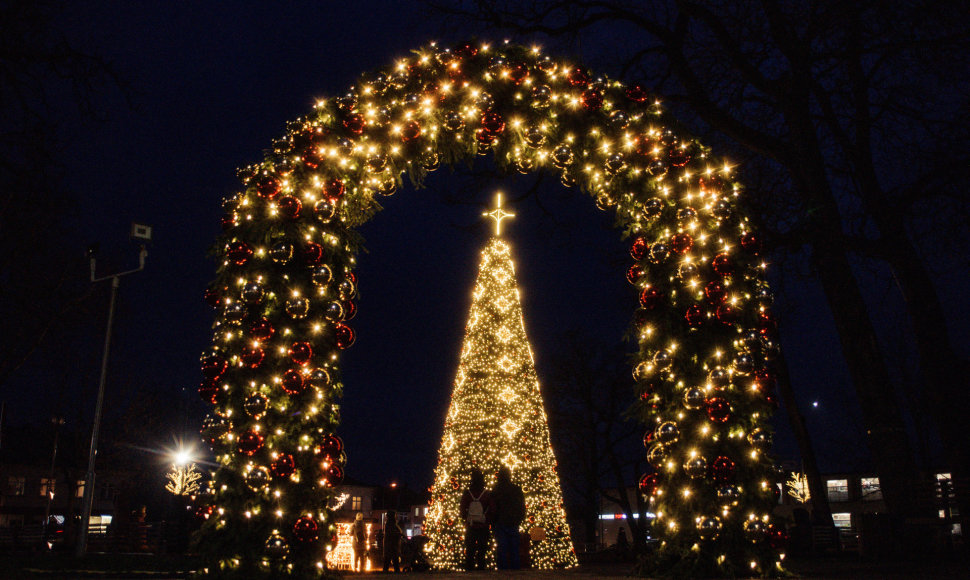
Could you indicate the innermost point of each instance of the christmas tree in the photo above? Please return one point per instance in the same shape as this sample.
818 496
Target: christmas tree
496 418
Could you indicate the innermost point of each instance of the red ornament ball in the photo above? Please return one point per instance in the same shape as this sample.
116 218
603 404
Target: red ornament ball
345 336
213 366
723 469
239 252
268 187
312 253
723 265
715 292
261 330
334 475
637 93
301 352
333 189
354 123
639 248
767 323
209 391
306 530
649 298
578 77
411 131
293 382
718 410
250 442
289 207
694 316
727 314
518 72
648 484
678 156
592 99
681 243
751 242
332 445
493 123
212 297
283 467
634 274
252 356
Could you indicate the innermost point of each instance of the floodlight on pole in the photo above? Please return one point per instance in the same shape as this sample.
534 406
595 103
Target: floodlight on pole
140 232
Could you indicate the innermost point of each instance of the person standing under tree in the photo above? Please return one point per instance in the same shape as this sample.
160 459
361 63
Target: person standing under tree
509 513
392 542
476 511
360 542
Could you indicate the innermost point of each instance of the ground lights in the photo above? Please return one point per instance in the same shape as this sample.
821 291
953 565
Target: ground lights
284 297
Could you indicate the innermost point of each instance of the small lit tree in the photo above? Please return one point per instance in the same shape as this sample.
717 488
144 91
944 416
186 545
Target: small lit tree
797 486
183 479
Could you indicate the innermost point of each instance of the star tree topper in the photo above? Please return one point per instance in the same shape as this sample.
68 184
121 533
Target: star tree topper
498 214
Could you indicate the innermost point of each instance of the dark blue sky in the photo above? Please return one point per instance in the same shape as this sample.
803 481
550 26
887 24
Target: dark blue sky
212 84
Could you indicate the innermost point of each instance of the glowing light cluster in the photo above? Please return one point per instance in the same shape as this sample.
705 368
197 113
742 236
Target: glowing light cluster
496 418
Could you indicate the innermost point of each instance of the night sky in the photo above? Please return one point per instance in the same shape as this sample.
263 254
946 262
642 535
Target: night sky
211 84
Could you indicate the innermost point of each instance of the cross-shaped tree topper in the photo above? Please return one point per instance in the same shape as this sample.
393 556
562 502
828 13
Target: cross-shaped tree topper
498 214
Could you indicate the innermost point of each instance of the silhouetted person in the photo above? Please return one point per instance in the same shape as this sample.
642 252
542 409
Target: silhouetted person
509 513
392 542
476 511
360 542
622 544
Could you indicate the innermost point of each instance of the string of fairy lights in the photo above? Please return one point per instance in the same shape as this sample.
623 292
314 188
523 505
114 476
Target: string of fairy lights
285 289
495 418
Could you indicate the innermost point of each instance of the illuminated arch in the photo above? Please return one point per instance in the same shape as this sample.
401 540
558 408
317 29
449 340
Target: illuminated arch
285 290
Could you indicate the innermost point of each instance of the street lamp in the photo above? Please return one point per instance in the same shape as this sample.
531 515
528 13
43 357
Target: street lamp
142 232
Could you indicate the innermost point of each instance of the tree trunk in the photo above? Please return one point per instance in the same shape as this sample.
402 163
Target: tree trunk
942 370
821 512
889 443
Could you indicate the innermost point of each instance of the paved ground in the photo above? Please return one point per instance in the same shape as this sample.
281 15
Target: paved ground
830 568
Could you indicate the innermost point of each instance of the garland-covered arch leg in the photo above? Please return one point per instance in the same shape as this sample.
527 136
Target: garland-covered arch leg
284 299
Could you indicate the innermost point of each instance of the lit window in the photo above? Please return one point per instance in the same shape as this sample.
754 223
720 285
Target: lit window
15 485
944 483
355 503
46 486
417 512
838 489
80 488
871 491
842 520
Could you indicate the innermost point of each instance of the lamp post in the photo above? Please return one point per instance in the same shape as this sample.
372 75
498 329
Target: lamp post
144 233
57 421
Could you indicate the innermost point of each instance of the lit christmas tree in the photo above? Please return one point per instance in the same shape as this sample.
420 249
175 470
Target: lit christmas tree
496 418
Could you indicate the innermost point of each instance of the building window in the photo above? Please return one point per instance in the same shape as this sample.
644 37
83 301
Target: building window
842 520
355 503
15 485
871 491
80 488
46 486
417 512
838 489
944 486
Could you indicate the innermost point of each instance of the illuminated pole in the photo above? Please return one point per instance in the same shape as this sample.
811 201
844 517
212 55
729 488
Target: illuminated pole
87 502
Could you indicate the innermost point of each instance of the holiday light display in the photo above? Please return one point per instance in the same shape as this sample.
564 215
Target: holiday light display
285 288
341 557
496 418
